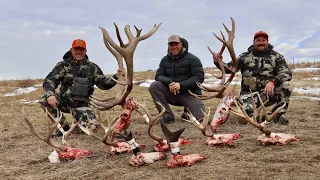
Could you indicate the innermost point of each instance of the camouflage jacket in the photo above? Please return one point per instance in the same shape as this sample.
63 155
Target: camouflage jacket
258 68
65 71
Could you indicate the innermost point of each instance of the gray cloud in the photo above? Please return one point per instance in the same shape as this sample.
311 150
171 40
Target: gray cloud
35 34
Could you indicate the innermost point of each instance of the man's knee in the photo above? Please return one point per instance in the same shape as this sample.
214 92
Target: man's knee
43 101
155 86
285 88
84 114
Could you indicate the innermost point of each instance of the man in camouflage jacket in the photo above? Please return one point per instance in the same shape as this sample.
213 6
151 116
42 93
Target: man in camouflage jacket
76 77
266 72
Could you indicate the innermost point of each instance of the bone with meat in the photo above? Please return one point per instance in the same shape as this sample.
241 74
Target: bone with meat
222 139
279 139
222 112
176 158
138 158
125 117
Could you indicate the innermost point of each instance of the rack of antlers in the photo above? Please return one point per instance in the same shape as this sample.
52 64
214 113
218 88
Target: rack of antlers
222 112
64 152
268 137
172 141
123 52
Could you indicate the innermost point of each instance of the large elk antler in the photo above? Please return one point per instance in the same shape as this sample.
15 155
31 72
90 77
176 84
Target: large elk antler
240 111
124 51
152 119
51 127
223 84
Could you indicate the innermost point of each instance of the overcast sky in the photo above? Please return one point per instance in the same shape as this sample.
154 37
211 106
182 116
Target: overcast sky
35 34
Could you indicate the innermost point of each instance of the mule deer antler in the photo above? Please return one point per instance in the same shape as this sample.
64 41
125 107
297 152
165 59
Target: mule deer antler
64 133
223 83
108 130
240 111
152 119
51 127
124 51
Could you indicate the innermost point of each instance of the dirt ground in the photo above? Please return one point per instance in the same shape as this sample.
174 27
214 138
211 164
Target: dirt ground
23 156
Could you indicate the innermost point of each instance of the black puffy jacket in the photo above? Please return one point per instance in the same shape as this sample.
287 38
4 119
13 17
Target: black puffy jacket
186 69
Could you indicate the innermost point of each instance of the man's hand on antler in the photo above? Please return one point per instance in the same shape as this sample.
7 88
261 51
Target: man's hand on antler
216 56
269 89
174 87
52 101
121 72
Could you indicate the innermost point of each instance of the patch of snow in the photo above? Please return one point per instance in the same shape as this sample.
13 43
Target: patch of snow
314 78
307 90
38 85
20 91
305 69
306 98
28 102
145 84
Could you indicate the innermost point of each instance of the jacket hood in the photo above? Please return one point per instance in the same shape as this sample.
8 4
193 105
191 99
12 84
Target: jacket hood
185 43
68 56
185 47
252 50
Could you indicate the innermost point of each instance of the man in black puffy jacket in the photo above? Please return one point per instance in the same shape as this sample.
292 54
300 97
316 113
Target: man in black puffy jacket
178 72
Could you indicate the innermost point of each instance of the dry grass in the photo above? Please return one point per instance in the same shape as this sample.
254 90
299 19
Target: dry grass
23 155
20 82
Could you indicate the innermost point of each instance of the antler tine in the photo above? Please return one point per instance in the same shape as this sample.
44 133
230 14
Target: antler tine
202 127
119 37
107 38
111 102
99 118
47 139
203 97
152 120
116 54
138 31
150 33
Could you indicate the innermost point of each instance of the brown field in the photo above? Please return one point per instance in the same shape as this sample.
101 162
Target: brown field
23 156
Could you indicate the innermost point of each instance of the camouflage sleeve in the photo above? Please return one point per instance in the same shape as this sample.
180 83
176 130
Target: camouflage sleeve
101 81
161 74
53 79
282 70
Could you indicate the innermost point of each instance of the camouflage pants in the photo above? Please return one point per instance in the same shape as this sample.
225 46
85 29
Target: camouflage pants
83 112
281 95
